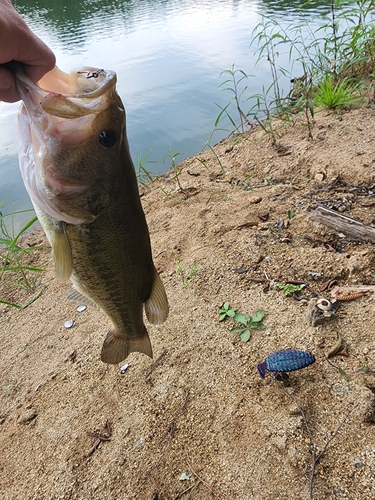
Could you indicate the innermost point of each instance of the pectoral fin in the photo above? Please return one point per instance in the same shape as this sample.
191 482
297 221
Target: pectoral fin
157 307
62 253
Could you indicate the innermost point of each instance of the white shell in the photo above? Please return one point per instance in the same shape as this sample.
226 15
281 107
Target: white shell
324 304
81 308
124 368
69 323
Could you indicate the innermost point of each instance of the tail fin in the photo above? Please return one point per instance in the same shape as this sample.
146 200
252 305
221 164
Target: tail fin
116 347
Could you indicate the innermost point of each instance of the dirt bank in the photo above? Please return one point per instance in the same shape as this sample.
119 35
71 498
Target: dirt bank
197 422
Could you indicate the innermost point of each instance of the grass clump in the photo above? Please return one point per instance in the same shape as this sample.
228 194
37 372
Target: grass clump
336 95
15 260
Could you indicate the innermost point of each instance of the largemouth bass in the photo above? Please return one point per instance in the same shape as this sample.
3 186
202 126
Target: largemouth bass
76 166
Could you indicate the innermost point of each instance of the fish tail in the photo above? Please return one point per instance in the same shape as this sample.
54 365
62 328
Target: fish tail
116 346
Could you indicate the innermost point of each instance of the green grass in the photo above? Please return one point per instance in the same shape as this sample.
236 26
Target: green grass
14 258
336 64
336 95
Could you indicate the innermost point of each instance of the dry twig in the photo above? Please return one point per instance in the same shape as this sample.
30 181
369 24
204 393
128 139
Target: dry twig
170 431
187 490
315 455
100 437
207 485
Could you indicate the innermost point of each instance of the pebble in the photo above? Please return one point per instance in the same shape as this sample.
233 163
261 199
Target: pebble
69 323
81 308
254 198
28 416
124 368
357 463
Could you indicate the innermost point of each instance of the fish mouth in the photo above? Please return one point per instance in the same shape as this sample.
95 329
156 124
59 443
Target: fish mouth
82 92
64 106
58 113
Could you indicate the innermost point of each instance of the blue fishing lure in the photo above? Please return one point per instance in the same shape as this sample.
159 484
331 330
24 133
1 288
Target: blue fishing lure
285 361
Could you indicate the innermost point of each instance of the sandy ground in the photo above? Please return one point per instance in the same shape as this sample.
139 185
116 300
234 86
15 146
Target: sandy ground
197 421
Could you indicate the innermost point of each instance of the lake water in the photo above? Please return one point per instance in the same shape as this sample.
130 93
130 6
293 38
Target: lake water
168 55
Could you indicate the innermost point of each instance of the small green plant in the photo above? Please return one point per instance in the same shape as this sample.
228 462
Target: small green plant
291 214
289 288
145 176
231 84
336 95
267 180
344 375
226 311
247 323
172 155
186 276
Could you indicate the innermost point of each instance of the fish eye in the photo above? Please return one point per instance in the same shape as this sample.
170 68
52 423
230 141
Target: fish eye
107 139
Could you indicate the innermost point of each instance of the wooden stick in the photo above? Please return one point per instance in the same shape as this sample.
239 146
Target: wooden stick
352 228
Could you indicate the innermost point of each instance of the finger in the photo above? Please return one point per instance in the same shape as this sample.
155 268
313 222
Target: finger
8 91
36 56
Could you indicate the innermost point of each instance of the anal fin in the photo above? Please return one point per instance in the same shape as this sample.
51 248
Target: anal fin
75 294
157 307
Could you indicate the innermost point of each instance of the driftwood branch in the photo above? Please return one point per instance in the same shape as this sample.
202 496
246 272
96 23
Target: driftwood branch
352 228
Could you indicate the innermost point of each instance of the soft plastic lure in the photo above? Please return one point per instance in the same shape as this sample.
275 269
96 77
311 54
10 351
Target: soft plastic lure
288 360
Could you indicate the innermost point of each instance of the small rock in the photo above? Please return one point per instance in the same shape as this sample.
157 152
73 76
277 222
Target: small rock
357 463
319 177
254 198
28 416
69 323
81 308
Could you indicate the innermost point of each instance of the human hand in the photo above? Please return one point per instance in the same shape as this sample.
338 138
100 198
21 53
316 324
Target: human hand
19 43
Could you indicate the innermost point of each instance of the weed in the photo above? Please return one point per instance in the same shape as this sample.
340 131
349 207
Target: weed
186 276
237 76
288 288
217 158
12 259
226 311
214 192
247 323
331 95
335 60
172 155
145 176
